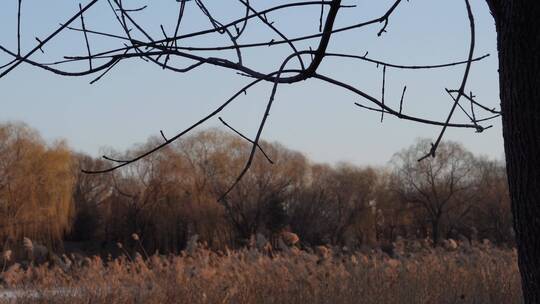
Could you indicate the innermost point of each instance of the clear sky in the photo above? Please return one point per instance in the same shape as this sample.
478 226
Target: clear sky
137 99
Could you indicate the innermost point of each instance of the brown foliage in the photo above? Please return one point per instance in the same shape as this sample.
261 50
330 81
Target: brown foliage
171 196
35 186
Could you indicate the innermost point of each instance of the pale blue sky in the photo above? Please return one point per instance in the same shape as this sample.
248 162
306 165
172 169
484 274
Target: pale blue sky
137 99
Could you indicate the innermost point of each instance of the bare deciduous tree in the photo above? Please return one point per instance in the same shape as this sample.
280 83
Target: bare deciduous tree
334 206
89 192
492 215
443 187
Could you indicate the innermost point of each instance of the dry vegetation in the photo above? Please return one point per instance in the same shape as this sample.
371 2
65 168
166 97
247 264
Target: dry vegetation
172 195
481 274
35 186
167 203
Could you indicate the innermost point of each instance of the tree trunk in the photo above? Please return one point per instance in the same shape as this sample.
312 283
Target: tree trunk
518 29
436 231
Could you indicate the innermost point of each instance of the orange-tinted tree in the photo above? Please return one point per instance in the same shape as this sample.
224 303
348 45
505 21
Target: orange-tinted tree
35 186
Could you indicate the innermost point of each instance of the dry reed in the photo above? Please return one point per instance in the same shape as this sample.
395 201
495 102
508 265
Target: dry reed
481 274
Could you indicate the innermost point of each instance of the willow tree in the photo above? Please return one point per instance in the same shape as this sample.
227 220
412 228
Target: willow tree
35 187
256 205
519 68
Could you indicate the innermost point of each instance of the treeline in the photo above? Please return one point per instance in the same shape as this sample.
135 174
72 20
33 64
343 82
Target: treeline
171 195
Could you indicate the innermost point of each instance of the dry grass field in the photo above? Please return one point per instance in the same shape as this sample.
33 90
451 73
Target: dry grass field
481 274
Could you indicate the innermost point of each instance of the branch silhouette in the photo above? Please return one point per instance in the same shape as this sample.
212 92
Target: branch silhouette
176 52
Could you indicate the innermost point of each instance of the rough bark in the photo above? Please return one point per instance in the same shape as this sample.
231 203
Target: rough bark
518 29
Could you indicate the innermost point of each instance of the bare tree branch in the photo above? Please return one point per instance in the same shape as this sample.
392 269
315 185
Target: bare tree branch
174 53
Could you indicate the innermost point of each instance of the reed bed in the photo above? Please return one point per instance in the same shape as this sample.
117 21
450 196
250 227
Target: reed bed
465 275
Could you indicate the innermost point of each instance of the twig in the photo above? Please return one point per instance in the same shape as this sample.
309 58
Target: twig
463 83
40 45
19 28
249 140
401 100
383 85
86 38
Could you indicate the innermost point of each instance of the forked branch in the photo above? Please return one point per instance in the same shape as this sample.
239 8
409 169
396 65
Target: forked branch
189 56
